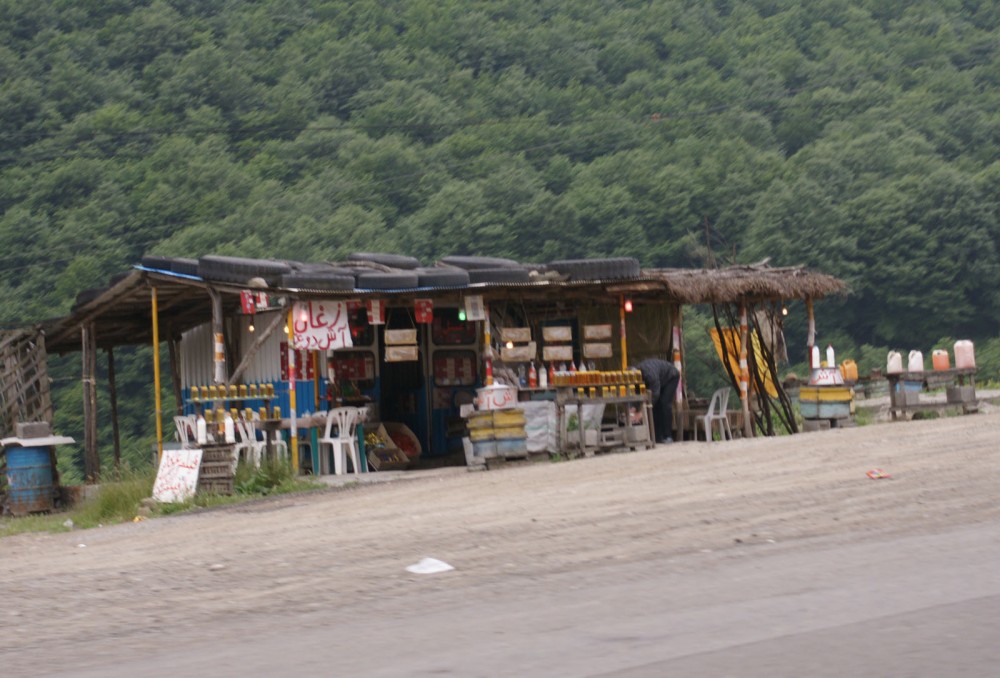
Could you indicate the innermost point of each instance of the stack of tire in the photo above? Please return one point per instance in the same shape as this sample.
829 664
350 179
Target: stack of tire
489 269
171 264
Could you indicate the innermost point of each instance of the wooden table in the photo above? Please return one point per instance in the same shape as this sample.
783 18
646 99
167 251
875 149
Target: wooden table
567 397
902 401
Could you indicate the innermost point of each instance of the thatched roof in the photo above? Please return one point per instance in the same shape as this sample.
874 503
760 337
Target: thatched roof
722 285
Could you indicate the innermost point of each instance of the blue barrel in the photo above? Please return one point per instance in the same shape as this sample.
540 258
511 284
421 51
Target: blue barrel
29 480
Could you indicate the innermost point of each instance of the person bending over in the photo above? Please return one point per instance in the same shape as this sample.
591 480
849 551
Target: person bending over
661 379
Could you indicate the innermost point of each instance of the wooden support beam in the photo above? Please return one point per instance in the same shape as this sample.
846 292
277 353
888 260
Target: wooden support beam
745 371
278 321
91 458
113 395
218 338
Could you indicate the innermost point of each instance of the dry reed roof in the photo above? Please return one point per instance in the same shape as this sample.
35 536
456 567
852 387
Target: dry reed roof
724 285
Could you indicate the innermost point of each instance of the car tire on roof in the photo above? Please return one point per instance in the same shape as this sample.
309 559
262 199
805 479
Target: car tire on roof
473 263
314 280
84 297
442 276
597 269
391 260
379 280
499 275
240 270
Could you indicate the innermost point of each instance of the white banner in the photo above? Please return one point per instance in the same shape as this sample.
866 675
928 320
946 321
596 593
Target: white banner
321 325
177 476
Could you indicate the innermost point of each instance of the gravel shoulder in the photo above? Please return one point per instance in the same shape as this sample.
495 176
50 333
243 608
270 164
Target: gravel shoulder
65 595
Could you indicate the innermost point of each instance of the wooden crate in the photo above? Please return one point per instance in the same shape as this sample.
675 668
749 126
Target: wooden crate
387 459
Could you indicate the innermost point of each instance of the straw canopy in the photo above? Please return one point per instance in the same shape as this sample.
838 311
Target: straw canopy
725 285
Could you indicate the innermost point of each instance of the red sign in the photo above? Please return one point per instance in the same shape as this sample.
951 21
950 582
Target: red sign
424 310
247 301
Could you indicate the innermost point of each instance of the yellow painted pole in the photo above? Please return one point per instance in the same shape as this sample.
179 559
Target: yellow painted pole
621 314
156 378
291 391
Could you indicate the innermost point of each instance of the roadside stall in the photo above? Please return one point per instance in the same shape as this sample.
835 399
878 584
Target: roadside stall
411 351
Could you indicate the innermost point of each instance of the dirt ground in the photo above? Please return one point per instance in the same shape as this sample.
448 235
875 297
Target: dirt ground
65 592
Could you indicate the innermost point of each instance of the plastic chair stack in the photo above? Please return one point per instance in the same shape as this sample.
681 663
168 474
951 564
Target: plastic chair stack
186 430
343 443
717 415
248 447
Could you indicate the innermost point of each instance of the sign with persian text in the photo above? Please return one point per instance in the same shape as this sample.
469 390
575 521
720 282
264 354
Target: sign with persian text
320 325
177 476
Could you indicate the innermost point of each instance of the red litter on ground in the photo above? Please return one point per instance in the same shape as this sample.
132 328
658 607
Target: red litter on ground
878 474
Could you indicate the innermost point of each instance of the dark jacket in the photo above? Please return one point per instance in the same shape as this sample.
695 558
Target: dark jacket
657 373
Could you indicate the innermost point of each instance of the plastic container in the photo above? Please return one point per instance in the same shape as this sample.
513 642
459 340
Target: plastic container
894 363
965 355
831 360
814 357
849 370
939 359
915 362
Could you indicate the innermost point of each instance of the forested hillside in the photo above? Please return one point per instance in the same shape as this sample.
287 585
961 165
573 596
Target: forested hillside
858 137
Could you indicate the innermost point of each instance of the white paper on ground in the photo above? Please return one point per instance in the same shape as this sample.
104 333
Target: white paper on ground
429 566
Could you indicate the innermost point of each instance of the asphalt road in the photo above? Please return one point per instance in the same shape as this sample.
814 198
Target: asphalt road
923 605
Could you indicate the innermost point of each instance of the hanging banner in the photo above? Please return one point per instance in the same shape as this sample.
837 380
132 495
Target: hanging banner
376 311
320 325
424 310
247 301
474 308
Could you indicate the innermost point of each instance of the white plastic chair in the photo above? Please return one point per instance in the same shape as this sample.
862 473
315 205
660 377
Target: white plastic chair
345 419
717 415
187 426
248 446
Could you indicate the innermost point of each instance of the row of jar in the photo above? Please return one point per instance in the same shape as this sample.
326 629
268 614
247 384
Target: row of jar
232 392
219 415
624 378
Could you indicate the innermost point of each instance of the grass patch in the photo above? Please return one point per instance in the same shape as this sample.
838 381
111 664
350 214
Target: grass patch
125 499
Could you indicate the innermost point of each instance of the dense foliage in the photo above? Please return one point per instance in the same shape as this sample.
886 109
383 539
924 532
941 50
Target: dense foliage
859 137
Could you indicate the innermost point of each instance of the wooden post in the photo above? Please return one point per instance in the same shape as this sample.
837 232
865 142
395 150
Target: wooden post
156 377
621 317
91 458
218 338
811 337
113 395
745 371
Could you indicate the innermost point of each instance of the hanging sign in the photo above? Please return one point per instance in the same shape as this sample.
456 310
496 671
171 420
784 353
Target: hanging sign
474 308
246 301
251 301
376 311
320 325
424 310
